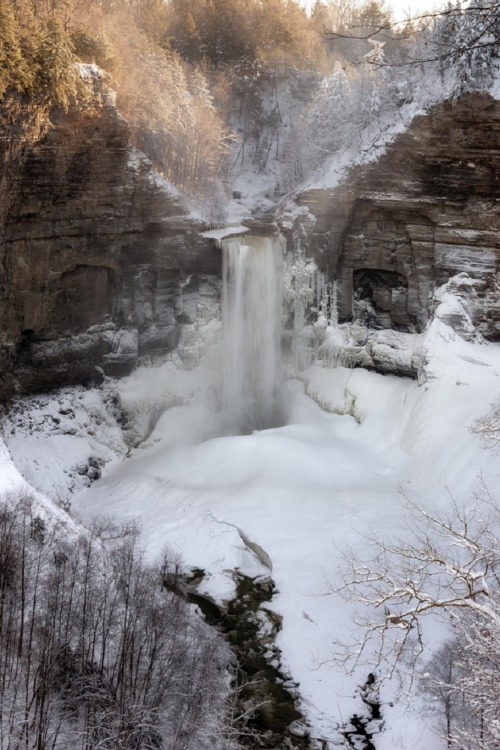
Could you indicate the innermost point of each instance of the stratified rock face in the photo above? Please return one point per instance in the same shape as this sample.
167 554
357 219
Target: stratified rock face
96 253
429 209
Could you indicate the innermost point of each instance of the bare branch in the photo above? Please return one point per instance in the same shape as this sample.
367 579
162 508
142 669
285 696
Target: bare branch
442 566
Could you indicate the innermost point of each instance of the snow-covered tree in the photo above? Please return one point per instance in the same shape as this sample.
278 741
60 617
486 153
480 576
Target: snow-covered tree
98 649
461 681
447 567
327 123
347 101
467 42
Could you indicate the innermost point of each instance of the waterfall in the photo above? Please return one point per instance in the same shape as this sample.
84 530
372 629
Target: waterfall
252 304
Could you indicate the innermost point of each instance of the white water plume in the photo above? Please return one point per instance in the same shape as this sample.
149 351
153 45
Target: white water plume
252 304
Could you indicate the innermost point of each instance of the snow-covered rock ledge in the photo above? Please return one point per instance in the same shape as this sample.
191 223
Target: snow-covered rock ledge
387 351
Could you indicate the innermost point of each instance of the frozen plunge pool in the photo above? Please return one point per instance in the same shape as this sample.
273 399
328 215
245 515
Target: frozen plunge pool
303 492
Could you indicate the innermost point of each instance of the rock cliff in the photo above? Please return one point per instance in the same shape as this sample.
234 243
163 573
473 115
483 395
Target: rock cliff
425 212
99 261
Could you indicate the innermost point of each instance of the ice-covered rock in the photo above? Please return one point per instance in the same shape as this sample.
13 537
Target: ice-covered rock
386 351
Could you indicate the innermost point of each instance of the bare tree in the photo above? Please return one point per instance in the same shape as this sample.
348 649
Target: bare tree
488 427
99 650
439 682
444 566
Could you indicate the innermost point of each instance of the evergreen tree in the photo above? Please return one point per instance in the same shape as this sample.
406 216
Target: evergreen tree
15 72
57 77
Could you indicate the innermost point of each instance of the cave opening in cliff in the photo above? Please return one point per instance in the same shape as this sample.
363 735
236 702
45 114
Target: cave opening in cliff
380 299
252 309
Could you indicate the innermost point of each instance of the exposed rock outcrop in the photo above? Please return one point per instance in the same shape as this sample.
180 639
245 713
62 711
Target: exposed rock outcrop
386 351
428 210
99 261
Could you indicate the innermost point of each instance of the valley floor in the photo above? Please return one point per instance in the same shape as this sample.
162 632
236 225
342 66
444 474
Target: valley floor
284 502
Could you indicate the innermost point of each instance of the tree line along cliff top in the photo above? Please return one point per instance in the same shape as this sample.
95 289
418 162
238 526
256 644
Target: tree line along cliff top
202 82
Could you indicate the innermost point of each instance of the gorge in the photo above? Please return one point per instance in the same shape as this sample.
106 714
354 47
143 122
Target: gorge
125 239
266 396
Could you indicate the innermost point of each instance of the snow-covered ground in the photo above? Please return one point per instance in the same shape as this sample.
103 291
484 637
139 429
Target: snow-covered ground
354 443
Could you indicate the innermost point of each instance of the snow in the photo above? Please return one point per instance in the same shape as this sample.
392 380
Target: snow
14 487
373 143
139 162
89 71
136 159
256 191
11 480
220 234
495 88
353 442
164 185
53 438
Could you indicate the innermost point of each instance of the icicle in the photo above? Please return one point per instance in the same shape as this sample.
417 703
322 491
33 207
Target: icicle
334 313
319 289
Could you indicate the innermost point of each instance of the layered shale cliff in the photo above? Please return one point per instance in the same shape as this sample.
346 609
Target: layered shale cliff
425 212
99 262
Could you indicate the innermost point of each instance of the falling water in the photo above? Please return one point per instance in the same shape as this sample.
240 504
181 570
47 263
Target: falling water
252 323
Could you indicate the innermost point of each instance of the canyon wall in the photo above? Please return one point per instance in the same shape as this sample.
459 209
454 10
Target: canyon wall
426 211
99 261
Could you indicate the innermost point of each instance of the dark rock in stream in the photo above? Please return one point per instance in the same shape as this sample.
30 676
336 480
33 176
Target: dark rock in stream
267 700
360 731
